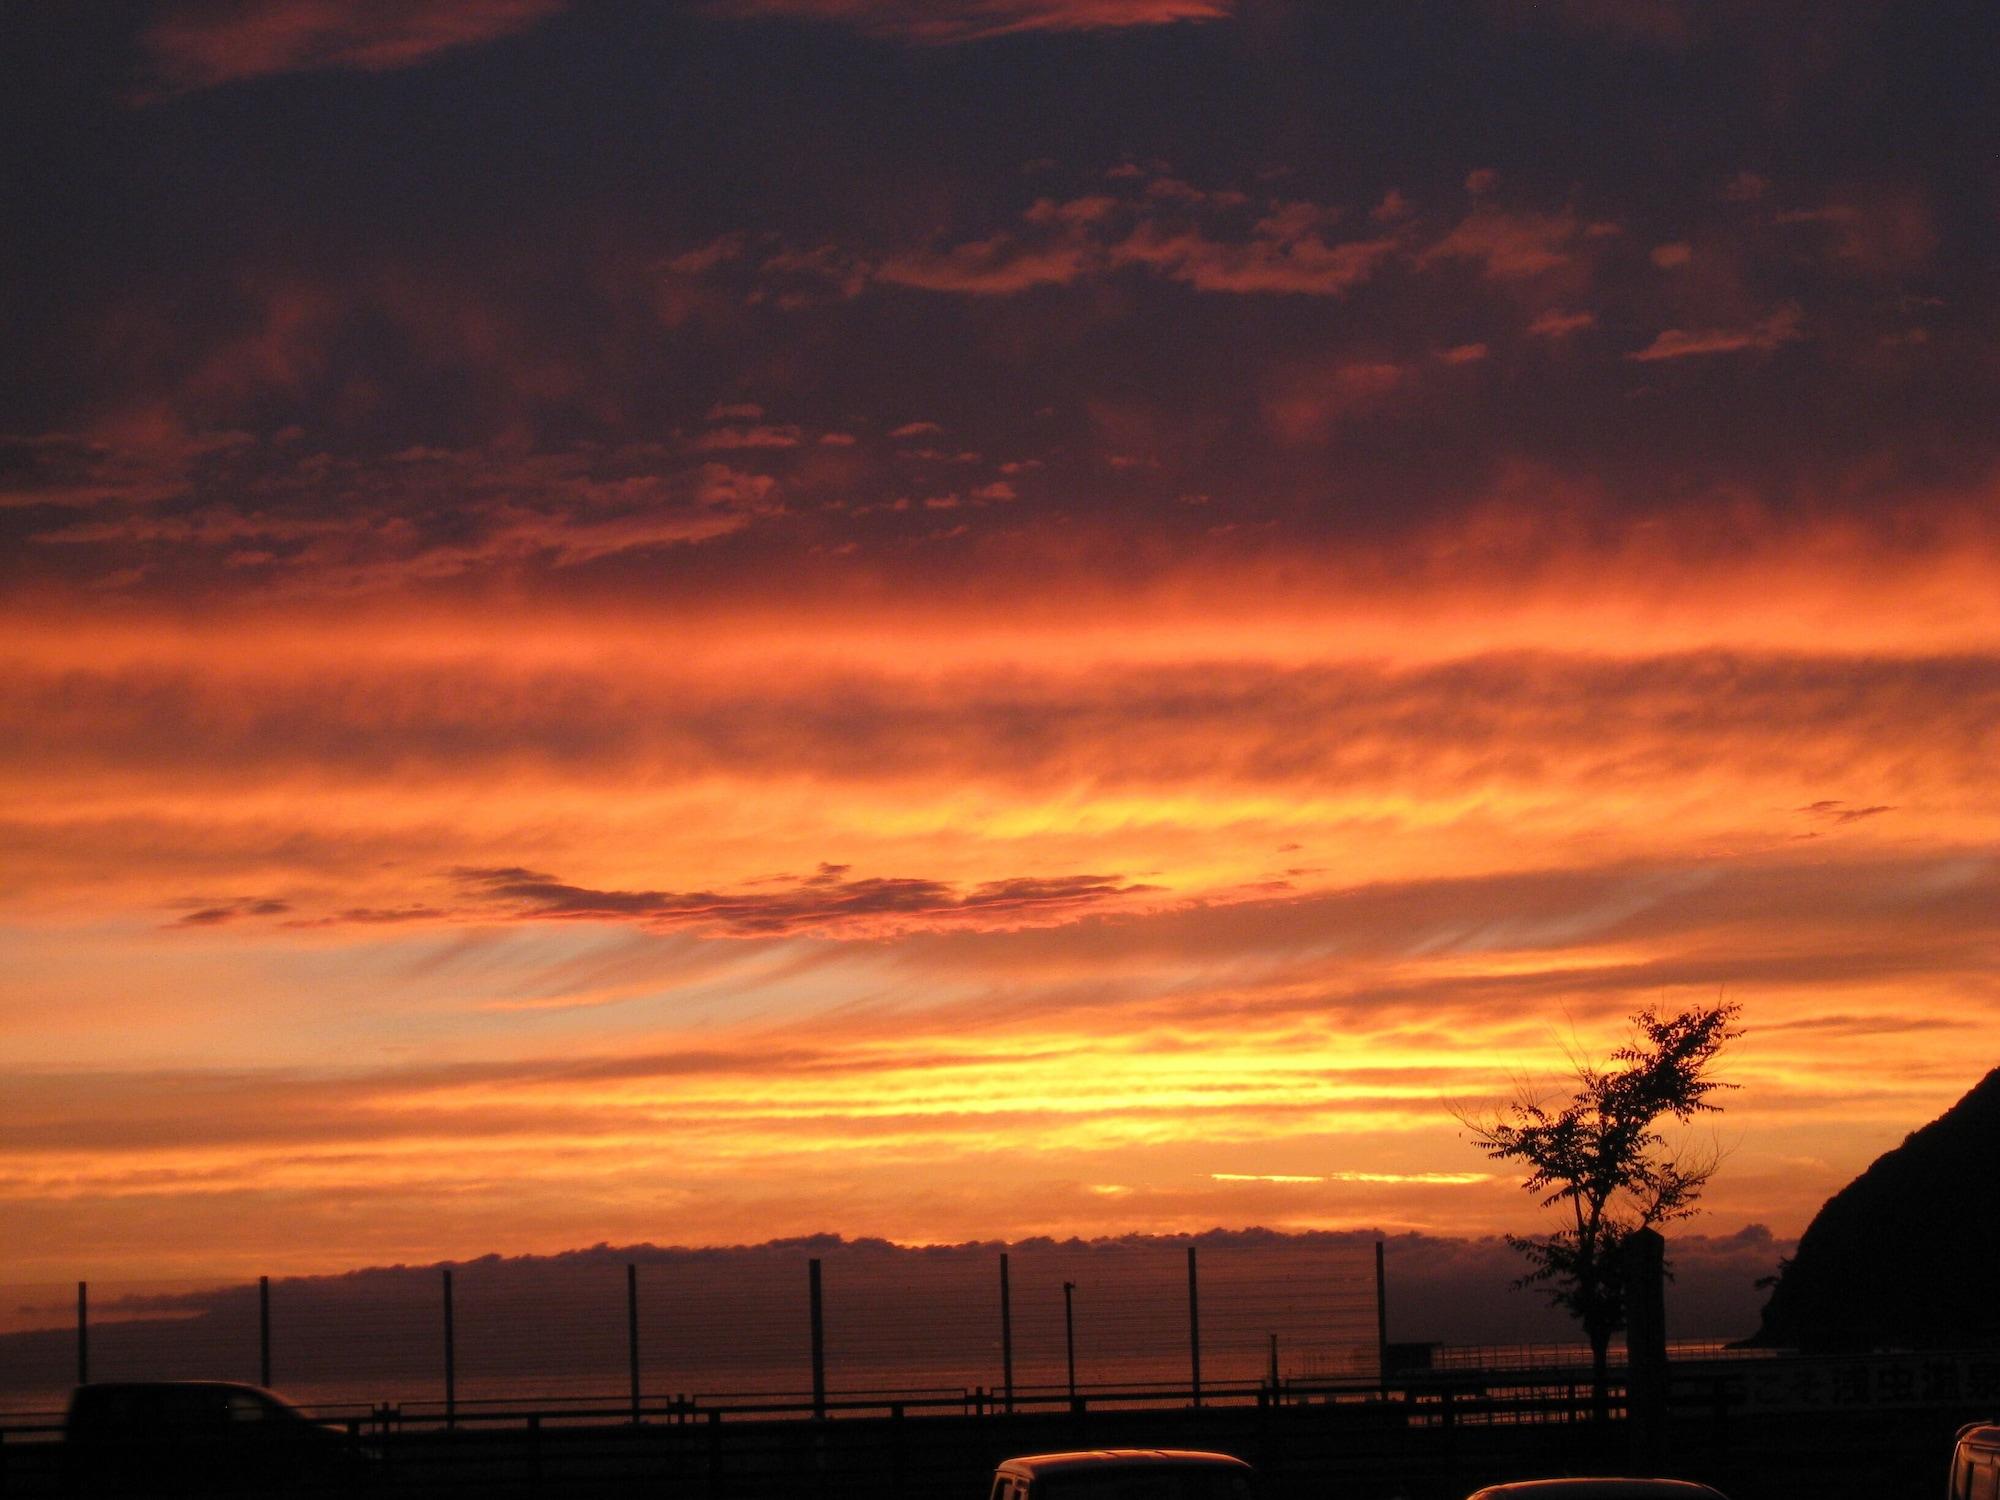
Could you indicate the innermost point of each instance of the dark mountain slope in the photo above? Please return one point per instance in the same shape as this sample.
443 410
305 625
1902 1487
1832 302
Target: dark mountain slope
1908 1254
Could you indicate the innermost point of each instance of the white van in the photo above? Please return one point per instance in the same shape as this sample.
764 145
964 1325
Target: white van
1975 1463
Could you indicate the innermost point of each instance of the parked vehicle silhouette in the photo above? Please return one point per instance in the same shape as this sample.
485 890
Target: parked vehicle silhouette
1975 1463
1123 1474
1607 1488
209 1437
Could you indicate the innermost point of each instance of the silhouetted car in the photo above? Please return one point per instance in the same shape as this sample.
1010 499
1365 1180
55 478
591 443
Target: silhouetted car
1598 1489
208 1437
1975 1463
1123 1474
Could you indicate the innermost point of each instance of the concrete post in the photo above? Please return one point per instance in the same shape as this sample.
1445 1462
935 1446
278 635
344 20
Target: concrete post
1646 1347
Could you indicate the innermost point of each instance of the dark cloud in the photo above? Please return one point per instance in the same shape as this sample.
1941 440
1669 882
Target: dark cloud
448 306
825 902
376 916
1842 812
216 914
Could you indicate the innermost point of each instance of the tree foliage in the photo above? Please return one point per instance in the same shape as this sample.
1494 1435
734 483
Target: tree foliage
1603 1160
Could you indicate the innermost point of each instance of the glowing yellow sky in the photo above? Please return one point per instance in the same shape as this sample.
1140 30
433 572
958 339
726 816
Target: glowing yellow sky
357 924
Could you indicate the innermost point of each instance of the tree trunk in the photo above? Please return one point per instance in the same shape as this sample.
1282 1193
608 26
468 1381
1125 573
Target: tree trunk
1600 1375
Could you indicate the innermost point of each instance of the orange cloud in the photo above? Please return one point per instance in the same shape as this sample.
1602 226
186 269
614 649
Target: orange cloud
1508 245
1767 334
1306 403
1556 325
1280 261
198 44
1173 229
994 267
952 21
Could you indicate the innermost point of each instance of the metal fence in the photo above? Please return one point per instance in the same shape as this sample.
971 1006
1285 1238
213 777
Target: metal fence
1403 1359
812 1321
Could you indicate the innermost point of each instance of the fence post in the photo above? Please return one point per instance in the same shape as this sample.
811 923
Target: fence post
632 1332
1381 1321
450 1359
1006 1335
1194 1329
1274 1367
1069 1338
263 1330
83 1333
818 1338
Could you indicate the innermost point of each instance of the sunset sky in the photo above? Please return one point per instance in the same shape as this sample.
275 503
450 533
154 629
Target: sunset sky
628 620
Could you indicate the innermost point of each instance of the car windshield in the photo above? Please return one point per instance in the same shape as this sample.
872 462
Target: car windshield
245 1406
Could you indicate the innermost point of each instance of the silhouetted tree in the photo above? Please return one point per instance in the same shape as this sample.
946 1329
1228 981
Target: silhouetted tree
1602 1159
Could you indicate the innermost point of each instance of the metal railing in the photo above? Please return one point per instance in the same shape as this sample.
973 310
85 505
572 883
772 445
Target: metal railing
1053 1318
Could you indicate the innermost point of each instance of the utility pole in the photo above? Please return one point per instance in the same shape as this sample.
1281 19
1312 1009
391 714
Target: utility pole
1006 1335
1194 1329
1069 1336
1381 1319
632 1332
818 1339
450 1359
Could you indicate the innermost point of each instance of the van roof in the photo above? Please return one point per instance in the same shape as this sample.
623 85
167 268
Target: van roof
1607 1488
1034 1464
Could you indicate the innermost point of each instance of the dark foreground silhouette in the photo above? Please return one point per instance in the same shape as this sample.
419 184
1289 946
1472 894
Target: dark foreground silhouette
1903 1256
1442 1439
202 1437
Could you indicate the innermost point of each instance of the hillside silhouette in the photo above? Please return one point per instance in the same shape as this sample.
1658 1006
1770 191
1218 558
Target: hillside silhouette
1902 1257
734 1318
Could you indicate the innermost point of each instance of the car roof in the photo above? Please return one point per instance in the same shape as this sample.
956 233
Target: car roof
1604 1488
1035 1464
171 1385
1980 1434
112 1390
